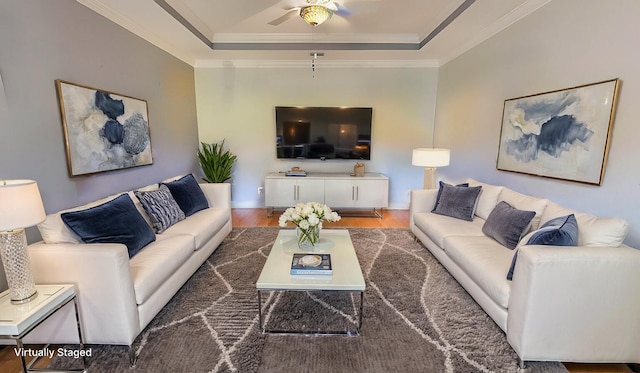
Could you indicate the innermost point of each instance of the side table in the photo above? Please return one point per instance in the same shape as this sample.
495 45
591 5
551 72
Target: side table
16 321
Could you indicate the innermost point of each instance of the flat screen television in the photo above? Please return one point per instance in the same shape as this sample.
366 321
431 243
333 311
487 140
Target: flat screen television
323 132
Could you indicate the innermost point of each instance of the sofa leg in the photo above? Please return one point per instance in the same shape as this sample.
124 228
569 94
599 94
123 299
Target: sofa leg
521 363
132 357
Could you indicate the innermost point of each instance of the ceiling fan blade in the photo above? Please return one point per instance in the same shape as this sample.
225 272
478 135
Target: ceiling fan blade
342 11
332 6
284 17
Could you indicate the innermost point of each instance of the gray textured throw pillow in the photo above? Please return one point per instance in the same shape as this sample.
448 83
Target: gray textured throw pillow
442 184
458 202
507 225
162 208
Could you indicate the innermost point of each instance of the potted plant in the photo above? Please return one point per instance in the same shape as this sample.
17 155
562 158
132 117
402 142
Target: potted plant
216 162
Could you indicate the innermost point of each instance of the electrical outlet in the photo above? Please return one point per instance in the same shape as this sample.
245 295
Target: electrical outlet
260 190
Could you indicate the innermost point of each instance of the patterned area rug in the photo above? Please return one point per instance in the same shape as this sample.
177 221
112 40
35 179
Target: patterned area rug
416 318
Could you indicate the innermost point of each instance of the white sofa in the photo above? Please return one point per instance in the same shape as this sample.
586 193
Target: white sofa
118 296
569 304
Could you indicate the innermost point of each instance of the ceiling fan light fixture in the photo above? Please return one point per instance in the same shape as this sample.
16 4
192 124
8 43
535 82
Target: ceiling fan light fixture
315 14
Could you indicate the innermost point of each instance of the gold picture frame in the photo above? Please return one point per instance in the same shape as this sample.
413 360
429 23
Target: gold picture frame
103 131
563 134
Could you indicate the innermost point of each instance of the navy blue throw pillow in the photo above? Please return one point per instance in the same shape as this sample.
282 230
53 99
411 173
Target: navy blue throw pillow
116 221
561 231
188 194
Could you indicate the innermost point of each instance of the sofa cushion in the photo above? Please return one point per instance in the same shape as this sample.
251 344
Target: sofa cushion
458 202
507 224
202 225
435 205
592 230
188 194
488 198
116 221
161 208
561 231
485 261
525 202
439 227
157 262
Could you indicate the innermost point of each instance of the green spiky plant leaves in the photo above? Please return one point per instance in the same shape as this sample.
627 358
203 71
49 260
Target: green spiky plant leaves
216 162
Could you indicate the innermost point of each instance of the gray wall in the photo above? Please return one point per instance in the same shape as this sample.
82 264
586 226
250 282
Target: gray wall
564 44
41 41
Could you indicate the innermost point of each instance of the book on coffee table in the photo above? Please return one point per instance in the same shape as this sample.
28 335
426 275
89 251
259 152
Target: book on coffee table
311 264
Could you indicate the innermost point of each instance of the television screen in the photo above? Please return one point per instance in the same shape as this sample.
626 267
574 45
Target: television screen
323 132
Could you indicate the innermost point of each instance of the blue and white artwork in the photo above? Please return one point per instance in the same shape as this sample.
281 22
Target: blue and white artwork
561 134
103 131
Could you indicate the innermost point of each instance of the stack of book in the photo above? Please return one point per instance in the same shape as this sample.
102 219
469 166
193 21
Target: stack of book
295 173
311 264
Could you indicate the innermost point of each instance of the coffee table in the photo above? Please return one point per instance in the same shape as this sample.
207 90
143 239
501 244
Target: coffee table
347 275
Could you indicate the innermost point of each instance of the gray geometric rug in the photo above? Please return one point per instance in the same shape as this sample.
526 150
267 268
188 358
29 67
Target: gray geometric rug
416 318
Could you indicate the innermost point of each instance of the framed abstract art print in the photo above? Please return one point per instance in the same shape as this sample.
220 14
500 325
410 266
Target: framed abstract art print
562 134
103 131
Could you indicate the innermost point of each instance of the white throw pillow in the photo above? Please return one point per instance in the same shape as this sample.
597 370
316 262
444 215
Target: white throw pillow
592 230
525 202
488 198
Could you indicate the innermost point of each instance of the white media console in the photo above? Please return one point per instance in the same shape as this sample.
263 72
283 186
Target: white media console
336 190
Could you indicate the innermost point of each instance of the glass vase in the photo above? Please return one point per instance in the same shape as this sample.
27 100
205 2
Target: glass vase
308 238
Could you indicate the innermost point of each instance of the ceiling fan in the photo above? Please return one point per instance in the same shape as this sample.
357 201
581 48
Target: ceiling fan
314 12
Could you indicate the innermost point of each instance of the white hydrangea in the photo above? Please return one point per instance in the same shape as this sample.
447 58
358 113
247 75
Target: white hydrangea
313 219
306 215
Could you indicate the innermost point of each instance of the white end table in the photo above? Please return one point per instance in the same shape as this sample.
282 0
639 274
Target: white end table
18 320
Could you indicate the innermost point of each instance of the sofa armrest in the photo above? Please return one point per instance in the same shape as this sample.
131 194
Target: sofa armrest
421 200
101 275
218 194
576 304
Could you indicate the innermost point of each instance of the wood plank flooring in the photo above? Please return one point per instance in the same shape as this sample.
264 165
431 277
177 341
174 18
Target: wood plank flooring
9 363
350 219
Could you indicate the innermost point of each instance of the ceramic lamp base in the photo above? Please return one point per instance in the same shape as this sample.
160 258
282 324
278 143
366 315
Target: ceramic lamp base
429 181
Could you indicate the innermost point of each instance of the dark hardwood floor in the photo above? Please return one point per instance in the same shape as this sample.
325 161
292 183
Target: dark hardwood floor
9 362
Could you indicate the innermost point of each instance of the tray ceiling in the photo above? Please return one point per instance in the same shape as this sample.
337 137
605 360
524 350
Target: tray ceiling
407 33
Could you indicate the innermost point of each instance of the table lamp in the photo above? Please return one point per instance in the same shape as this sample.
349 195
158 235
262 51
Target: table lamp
20 207
430 159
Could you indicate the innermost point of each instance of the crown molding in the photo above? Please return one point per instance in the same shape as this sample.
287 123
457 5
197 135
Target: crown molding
328 64
278 38
504 22
130 25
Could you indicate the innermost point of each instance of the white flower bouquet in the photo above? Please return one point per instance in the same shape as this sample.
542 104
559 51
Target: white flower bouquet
308 217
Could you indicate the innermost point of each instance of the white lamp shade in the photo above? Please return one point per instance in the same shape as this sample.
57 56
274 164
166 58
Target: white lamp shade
20 204
430 157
